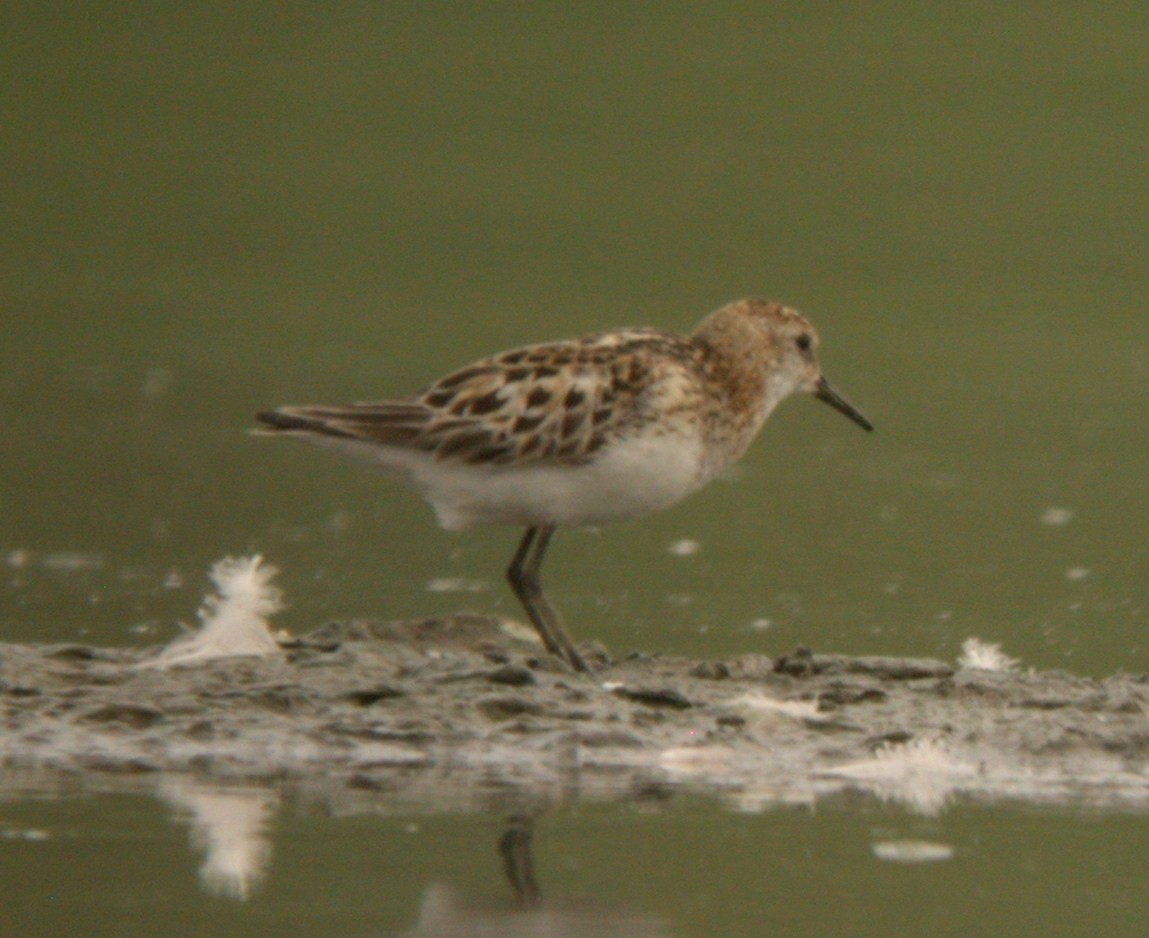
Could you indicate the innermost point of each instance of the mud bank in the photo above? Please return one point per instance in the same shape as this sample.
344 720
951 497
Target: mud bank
457 709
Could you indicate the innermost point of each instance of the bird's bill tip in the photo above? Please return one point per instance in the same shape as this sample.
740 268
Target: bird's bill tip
824 392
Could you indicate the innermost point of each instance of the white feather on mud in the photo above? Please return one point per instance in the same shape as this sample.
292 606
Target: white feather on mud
234 620
977 655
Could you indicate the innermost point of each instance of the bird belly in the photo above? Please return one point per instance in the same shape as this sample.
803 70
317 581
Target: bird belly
631 478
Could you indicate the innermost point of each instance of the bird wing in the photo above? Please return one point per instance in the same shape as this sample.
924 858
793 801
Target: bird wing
556 403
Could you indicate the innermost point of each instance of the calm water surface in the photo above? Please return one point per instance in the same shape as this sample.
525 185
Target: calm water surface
213 210
205 860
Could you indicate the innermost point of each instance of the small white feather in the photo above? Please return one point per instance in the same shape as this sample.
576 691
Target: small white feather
977 655
233 621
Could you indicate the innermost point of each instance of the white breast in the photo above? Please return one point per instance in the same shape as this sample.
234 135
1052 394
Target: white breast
632 477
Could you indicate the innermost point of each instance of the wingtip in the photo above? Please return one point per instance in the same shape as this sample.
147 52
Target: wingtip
278 420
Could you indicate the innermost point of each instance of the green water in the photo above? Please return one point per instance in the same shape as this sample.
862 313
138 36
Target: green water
129 866
214 209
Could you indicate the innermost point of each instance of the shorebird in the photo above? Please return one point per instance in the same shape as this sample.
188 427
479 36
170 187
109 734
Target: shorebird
580 432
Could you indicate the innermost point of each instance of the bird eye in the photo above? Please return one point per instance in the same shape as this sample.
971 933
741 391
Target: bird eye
804 341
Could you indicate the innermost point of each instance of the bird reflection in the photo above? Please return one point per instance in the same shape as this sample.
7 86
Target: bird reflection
443 915
231 826
516 846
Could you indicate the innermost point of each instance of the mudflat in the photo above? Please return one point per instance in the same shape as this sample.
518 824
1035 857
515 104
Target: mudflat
459 706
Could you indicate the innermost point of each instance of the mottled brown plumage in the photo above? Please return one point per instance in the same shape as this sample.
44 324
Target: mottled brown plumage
583 431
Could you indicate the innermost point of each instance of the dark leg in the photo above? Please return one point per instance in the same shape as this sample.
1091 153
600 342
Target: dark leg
523 575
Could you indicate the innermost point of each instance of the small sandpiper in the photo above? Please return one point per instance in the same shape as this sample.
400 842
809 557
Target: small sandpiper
580 432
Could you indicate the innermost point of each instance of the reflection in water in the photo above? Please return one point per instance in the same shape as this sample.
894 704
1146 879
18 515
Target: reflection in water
231 826
442 915
517 847
912 851
697 869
